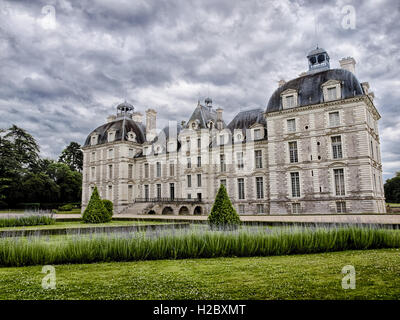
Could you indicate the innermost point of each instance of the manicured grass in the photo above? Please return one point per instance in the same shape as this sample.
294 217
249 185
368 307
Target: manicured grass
194 244
314 276
80 224
26 220
12 211
73 211
394 205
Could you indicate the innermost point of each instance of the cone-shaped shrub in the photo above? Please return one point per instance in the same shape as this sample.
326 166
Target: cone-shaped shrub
95 211
223 215
109 206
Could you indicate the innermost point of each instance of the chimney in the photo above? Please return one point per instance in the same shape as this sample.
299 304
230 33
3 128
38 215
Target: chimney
219 118
281 82
137 117
365 86
348 64
111 118
151 124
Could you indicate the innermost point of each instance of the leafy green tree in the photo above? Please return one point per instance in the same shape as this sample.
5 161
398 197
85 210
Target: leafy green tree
223 214
72 155
392 189
38 187
95 211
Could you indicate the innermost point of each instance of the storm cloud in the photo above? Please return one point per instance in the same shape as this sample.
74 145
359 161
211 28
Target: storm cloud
65 65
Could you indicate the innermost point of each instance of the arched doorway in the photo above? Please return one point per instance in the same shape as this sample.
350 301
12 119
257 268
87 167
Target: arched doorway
198 210
183 210
151 212
168 211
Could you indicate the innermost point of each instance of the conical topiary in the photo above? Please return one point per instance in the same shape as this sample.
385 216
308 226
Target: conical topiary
95 211
223 215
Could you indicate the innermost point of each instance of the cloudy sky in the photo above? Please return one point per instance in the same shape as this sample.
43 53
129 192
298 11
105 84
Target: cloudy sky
65 65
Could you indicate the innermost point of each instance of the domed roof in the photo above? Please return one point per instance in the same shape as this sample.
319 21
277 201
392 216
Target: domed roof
316 51
125 105
118 125
309 88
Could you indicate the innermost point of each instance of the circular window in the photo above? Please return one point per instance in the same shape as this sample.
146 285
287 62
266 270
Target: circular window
306 127
319 157
318 143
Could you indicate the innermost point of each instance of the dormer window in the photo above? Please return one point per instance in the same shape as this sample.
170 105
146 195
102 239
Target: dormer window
257 134
331 90
210 124
93 140
221 140
289 98
132 136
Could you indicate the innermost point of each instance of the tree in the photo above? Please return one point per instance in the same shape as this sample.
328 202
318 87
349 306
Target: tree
72 156
392 189
95 212
223 214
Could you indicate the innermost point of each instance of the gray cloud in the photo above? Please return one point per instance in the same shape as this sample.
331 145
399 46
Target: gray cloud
60 83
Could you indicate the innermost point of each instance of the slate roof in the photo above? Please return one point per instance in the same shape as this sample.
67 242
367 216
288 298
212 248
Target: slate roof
203 115
310 91
245 119
117 125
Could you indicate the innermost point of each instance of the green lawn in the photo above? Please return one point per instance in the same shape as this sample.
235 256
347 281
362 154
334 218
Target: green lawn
314 276
394 205
80 224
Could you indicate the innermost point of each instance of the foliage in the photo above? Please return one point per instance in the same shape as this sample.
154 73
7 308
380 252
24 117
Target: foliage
3 204
223 214
95 211
32 220
109 206
66 207
72 155
392 189
195 244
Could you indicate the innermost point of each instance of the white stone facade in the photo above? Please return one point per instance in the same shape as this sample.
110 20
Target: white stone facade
317 158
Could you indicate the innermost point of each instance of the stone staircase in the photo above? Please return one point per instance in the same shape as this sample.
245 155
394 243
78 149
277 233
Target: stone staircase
137 208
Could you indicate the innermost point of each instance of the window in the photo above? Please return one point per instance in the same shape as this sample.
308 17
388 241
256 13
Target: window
291 125
146 191
158 169
93 156
340 206
334 119
296 208
110 153
199 180
171 169
146 170
158 191
146 151
189 181
241 208
337 147
189 196
372 150
239 159
93 141
290 101
130 153
339 182
189 163
223 182
260 187
172 191
221 139
93 172
295 179
130 171
258 158
241 188
293 155
260 208
222 162
257 134
198 143
198 161
332 93
188 144
110 171
110 192
110 136
130 193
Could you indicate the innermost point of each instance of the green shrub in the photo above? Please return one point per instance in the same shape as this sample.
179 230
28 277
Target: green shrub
3 205
223 215
95 212
67 207
35 220
29 206
109 206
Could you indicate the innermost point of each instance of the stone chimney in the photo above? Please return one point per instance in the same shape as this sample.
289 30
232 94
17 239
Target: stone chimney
281 82
365 86
137 117
111 118
219 118
151 124
348 64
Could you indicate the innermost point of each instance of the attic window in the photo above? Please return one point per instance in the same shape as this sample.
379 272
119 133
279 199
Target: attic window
93 141
257 134
290 101
332 93
110 136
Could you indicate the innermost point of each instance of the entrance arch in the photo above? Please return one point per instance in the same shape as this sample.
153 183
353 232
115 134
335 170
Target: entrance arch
151 212
198 210
168 211
184 210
